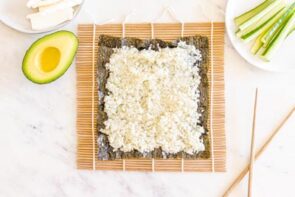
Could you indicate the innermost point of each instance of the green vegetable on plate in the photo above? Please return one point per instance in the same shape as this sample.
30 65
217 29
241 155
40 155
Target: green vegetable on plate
276 27
278 40
270 23
246 16
259 15
262 25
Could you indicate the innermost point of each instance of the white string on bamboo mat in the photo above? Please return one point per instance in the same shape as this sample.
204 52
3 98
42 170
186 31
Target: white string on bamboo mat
92 91
93 86
153 164
124 164
171 12
210 18
92 95
212 97
123 36
124 23
152 30
212 83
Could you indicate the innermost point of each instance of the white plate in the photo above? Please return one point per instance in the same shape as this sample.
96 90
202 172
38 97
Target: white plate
13 14
283 60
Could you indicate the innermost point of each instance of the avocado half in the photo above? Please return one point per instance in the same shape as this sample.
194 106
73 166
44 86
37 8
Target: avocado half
50 57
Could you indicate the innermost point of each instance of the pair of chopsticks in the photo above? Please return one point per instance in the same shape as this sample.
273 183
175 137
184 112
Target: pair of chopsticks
254 156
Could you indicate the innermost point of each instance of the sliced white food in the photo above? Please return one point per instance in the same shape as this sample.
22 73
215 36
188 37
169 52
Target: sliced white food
39 3
42 21
60 5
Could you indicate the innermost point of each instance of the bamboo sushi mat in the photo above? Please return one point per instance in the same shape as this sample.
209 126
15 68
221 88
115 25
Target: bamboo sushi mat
87 96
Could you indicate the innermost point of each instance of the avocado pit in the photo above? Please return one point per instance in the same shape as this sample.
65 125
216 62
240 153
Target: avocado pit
50 58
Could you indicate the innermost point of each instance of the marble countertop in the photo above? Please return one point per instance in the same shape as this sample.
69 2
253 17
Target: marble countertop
38 135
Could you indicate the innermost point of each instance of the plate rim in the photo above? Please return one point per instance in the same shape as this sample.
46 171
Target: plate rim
22 30
231 38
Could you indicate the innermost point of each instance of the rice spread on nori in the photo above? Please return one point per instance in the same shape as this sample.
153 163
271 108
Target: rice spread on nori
107 46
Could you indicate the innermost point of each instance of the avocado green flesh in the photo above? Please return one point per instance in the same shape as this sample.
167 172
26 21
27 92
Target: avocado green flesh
49 57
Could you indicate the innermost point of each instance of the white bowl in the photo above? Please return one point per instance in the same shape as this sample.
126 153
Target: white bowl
13 14
283 60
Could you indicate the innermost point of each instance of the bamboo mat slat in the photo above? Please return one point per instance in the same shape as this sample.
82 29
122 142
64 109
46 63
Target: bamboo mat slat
87 97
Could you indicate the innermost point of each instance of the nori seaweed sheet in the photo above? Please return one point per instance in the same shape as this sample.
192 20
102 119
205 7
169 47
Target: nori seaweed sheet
106 45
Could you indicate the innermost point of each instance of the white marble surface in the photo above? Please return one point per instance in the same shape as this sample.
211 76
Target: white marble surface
37 123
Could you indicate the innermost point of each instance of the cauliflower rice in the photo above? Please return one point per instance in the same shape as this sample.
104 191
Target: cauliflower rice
153 100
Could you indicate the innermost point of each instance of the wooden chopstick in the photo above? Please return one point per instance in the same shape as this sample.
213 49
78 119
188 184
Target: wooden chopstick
252 153
259 152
